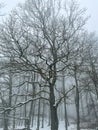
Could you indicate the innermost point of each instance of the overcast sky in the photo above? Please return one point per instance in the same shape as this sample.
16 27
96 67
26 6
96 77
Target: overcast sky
92 10
91 5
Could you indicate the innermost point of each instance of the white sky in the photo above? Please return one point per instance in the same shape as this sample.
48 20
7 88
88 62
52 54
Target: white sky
91 5
92 10
10 4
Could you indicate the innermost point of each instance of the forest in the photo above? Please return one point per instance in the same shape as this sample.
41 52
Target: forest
48 67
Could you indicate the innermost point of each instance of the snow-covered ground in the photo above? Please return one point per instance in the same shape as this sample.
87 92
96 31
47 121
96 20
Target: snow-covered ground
61 127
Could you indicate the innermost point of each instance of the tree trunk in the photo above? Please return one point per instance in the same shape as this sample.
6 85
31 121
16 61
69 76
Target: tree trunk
82 108
43 113
25 111
32 109
38 117
77 109
53 110
49 118
77 100
33 114
5 122
14 113
94 107
30 112
66 118
39 106
32 103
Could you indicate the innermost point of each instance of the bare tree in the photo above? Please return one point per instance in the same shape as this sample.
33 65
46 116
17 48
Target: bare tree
42 38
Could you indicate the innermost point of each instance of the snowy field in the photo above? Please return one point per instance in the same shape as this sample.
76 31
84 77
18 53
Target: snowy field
61 127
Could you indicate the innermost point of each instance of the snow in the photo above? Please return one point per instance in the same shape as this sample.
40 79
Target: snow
61 127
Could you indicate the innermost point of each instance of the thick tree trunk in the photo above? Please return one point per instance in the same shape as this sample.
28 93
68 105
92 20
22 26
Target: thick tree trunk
77 109
5 122
54 119
6 125
53 110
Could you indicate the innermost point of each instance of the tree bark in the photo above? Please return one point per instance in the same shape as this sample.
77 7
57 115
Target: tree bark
77 99
43 113
53 110
5 122
33 113
49 118
66 118
65 109
77 108
38 117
